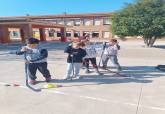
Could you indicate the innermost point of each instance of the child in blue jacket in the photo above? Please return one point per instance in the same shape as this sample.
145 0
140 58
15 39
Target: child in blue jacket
36 58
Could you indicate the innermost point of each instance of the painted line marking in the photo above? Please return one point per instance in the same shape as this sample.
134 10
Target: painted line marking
91 98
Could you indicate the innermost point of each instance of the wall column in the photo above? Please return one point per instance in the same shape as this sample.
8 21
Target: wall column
28 31
22 33
42 34
4 35
62 30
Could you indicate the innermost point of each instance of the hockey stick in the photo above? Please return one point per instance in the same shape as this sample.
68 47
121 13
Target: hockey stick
27 76
7 53
72 68
117 73
102 53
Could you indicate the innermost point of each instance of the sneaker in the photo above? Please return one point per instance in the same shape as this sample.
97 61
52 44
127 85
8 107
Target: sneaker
67 78
98 72
103 67
87 71
48 79
78 77
32 82
119 69
83 67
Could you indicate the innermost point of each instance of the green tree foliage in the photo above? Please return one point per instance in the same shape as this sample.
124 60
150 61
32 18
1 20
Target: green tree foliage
144 18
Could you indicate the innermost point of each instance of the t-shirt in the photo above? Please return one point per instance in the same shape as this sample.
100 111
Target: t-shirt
111 50
91 51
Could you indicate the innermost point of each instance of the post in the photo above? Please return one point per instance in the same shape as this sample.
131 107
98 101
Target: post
4 35
63 38
42 34
22 35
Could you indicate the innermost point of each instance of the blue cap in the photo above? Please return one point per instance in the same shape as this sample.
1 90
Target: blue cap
33 41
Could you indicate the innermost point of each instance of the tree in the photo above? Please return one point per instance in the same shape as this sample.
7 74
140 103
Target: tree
144 18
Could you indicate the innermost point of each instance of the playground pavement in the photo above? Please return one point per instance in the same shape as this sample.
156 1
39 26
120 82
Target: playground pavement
142 92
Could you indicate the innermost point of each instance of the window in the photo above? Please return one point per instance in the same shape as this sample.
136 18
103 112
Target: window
77 22
95 34
55 22
69 22
60 22
15 34
68 34
96 21
76 34
58 34
106 34
86 32
51 32
50 20
87 22
36 34
106 21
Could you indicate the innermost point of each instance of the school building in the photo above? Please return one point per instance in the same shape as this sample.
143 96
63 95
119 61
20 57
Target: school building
62 27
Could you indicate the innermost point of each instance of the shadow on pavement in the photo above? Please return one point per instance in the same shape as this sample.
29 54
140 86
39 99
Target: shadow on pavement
51 46
139 74
159 46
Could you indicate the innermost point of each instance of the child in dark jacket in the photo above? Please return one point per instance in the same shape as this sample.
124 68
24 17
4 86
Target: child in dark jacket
74 60
36 58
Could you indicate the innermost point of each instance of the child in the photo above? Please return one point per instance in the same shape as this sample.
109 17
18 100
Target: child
74 60
36 58
111 52
90 57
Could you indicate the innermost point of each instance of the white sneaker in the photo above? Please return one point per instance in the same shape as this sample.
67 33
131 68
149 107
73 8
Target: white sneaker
67 78
78 77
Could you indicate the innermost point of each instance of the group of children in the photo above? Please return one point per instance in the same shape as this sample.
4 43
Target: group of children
78 52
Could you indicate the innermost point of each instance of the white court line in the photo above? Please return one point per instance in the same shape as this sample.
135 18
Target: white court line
92 98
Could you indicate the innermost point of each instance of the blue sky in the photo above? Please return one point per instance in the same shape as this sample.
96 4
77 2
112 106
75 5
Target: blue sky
46 7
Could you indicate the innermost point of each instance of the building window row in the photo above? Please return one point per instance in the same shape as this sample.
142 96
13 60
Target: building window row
69 34
85 21
94 34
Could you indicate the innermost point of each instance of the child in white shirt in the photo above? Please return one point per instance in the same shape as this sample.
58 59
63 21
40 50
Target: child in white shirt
111 52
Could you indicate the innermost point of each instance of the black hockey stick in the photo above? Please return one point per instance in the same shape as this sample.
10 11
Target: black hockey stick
27 77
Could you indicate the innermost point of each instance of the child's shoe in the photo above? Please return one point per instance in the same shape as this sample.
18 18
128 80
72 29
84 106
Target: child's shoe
119 69
68 78
87 71
79 77
98 72
32 82
48 79
103 67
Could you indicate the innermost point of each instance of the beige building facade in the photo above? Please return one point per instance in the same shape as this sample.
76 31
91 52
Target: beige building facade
97 25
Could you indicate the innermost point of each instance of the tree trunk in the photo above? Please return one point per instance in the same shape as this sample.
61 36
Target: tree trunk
146 41
149 41
153 39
